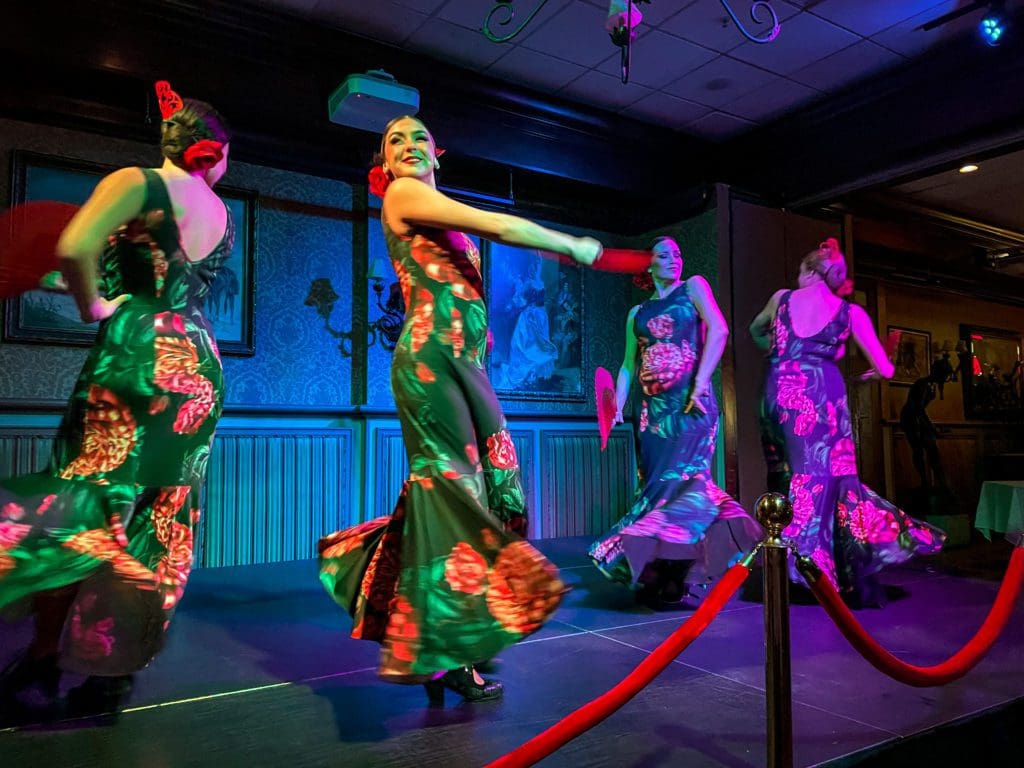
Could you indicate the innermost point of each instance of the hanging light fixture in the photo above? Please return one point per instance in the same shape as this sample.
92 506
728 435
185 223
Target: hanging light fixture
503 13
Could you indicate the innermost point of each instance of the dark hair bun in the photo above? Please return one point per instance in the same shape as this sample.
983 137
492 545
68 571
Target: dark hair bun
195 121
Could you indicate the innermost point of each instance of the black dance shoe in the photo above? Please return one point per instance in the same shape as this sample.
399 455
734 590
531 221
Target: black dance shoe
29 689
462 682
99 696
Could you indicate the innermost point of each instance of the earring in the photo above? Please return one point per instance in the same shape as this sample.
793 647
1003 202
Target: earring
437 165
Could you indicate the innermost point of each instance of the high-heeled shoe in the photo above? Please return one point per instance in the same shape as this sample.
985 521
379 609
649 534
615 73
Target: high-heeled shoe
461 681
99 696
25 672
40 678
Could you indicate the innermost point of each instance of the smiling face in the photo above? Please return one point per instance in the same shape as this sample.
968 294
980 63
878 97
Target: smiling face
667 261
409 150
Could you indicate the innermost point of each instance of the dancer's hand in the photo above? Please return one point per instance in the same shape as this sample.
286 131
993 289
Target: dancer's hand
700 390
870 375
617 419
101 308
586 250
53 282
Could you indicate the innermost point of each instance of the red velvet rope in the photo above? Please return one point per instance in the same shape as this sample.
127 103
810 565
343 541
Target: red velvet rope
958 665
592 713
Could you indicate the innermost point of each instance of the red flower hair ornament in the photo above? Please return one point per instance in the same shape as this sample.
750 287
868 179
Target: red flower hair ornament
201 154
836 269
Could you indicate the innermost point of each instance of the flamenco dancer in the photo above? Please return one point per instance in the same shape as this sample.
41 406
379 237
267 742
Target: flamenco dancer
445 582
99 546
844 526
682 531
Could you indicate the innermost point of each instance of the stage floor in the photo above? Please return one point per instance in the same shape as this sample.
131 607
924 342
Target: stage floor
260 671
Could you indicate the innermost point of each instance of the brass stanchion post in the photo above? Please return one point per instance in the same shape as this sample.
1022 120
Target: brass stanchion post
774 513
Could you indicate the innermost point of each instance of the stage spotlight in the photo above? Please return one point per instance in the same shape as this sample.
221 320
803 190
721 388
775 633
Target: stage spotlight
969 168
993 24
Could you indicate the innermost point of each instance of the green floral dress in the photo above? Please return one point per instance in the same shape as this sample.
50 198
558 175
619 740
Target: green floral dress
115 510
446 580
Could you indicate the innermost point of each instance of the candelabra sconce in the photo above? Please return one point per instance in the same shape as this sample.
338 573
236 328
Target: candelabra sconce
503 13
385 330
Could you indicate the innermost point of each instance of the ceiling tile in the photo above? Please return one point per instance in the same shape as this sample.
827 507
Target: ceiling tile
381 20
604 91
866 17
804 39
532 68
471 14
848 65
661 109
423 6
454 44
299 7
706 23
575 34
719 82
658 58
771 100
907 39
718 126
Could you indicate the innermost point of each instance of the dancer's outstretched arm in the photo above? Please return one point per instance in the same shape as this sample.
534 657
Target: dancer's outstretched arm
714 343
411 203
628 368
117 199
863 331
761 327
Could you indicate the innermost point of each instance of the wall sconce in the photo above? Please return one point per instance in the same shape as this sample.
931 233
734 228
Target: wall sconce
385 330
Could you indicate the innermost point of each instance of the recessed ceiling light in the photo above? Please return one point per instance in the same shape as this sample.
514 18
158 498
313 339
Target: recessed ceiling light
969 168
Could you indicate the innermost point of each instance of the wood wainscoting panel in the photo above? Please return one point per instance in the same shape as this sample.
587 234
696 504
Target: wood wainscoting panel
584 490
270 495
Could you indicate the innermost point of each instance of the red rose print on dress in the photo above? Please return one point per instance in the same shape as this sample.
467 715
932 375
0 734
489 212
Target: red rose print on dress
465 570
501 451
92 641
661 327
803 504
403 632
524 588
843 459
108 435
661 367
424 374
422 319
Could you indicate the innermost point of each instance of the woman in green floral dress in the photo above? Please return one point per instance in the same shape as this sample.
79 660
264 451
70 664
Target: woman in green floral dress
446 581
99 546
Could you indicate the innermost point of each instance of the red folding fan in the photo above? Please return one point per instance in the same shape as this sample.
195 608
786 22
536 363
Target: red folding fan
28 243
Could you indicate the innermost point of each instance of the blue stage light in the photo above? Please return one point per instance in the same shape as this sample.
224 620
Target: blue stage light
992 25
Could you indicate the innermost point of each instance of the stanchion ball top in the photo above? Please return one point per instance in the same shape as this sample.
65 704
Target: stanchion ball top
774 512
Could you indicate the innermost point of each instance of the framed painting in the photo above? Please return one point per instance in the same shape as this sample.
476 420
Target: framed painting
913 355
991 371
536 317
41 317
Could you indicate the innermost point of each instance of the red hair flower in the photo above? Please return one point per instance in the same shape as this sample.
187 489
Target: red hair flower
204 154
170 102
644 282
379 180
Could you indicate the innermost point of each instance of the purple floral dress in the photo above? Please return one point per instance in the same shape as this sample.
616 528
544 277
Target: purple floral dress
679 513
844 526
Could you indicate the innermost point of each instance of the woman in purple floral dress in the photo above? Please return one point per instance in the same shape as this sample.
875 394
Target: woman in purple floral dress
683 530
844 526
